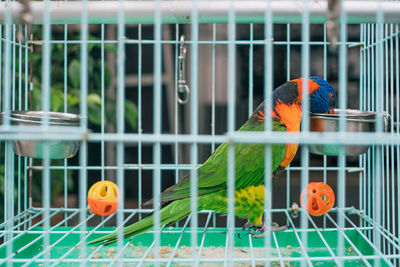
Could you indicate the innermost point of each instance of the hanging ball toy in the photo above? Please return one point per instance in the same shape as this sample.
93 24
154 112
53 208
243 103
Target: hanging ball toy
103 198
317 198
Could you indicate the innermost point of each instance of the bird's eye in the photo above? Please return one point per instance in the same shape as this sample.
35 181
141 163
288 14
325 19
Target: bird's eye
332 99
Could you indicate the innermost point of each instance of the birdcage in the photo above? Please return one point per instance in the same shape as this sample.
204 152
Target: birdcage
147 90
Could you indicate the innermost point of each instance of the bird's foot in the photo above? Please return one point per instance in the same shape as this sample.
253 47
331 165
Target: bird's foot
259 231
245 226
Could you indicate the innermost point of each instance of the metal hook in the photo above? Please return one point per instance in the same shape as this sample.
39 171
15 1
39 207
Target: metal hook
26 18
294 210
183 88
332 25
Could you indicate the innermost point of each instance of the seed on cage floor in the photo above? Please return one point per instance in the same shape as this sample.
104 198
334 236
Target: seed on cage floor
97 255
164 250
186 249
109 255
110 252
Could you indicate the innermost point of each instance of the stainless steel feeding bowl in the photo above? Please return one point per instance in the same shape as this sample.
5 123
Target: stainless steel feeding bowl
57 149
356 121
54 117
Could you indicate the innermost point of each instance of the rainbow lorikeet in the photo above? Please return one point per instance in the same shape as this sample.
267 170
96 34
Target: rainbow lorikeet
249 162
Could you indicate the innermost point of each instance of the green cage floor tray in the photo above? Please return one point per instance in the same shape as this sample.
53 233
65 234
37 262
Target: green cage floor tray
66 248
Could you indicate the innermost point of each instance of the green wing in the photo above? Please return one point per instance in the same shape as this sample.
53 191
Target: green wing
249 166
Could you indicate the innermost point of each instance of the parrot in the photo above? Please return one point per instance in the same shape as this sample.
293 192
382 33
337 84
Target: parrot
286 116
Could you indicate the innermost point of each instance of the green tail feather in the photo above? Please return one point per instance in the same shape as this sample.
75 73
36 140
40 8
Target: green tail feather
172 213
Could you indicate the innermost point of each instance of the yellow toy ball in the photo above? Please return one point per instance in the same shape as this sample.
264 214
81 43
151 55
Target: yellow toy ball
103 198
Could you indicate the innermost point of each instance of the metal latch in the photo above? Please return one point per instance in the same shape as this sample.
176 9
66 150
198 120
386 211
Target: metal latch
183 88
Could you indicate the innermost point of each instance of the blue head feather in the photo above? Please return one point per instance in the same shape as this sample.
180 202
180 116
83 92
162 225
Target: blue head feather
324 98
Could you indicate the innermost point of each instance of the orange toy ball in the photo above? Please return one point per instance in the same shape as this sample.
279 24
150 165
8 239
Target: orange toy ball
317 198
103 198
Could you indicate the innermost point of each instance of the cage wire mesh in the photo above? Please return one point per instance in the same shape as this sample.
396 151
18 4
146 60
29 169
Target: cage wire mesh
147 120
